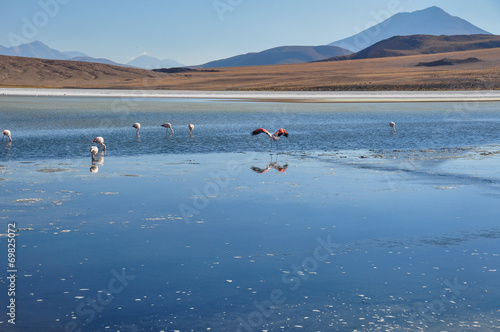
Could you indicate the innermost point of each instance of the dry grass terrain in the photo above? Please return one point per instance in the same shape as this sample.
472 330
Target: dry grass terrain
395 73
423 44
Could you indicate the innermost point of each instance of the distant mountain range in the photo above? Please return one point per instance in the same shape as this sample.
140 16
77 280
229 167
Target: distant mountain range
39 50
429 21
35 49
423 44
149 62
432 21
280 55
71 54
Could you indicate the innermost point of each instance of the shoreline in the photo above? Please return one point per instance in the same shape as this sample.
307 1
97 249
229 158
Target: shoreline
264 96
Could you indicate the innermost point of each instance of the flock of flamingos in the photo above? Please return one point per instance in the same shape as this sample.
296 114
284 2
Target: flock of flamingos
99 140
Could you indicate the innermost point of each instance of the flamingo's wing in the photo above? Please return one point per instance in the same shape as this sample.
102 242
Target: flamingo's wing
281 132
259 131
259 170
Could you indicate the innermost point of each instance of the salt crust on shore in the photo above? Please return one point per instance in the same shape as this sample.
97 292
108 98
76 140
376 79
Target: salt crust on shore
292 96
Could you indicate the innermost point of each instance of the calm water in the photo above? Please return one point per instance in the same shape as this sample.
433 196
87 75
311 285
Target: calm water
346 227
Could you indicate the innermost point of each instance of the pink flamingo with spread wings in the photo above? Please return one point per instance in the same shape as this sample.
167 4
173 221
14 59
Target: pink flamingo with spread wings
273 137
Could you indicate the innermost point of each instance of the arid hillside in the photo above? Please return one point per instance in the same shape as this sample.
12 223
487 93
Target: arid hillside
390 73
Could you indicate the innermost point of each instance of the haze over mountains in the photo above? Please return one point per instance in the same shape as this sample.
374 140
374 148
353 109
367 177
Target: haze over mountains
148 62
39 50
429 21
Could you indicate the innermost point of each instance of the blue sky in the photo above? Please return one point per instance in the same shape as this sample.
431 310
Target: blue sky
197 31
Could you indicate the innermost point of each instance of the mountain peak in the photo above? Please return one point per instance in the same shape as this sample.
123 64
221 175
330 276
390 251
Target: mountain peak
35 49
431 13
431 9
429 21
36 43
147 61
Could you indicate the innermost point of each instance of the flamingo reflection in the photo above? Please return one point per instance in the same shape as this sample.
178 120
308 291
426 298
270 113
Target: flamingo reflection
270 165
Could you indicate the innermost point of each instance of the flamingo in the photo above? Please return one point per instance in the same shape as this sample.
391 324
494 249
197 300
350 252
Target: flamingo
100 140
393 125
273 137
191 127
168 126
137 126
7 133
93 150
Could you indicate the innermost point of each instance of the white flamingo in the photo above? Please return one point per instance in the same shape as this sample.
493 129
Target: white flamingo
137 126
191 127
393 125
168 126
93 150
100 140
7 133
273 137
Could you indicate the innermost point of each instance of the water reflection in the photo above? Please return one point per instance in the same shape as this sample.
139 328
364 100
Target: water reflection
93 151
94 168
97 159
270 165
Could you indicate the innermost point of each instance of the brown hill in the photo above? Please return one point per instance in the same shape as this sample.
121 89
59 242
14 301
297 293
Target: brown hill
423 44
396 73
34 72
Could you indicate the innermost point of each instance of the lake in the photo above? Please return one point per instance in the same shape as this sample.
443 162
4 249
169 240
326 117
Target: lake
345 225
